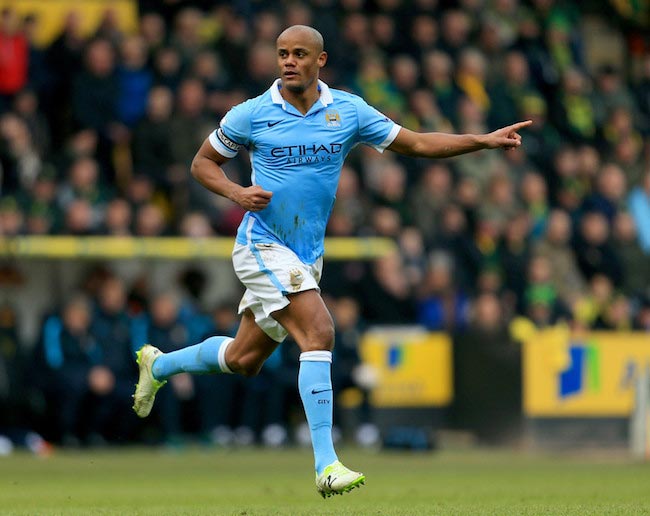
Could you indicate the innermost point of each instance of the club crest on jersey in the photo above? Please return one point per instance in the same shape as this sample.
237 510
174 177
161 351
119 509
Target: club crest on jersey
333 118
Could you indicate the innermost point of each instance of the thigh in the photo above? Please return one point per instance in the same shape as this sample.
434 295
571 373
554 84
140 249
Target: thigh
271 274
308 321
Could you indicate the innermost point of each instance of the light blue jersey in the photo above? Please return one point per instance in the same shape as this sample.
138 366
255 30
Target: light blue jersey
298 158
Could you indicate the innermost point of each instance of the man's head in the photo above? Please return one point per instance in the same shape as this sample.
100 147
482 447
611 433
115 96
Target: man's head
300 57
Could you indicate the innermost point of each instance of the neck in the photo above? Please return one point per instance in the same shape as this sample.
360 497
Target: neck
301 100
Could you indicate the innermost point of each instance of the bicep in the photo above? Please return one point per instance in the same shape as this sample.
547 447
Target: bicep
406 142
207 151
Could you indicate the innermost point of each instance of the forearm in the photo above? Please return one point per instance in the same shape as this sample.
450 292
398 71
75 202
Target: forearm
211 176
444 145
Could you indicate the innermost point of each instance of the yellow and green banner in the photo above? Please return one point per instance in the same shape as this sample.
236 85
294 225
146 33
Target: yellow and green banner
591 374
414 367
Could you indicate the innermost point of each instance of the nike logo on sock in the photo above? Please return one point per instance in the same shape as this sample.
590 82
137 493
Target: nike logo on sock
314 391
271 124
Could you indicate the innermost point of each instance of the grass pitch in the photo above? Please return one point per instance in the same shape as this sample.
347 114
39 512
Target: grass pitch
261 482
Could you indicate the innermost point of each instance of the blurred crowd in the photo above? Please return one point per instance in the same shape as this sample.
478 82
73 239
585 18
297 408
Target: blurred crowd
97 134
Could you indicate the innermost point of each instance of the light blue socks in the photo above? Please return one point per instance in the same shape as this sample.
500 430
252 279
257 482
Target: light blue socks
207 357
315 386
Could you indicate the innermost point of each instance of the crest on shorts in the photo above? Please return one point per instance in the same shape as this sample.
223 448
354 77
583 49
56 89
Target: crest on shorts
296 278
333 118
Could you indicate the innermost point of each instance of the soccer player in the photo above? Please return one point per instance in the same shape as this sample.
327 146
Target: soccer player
298 134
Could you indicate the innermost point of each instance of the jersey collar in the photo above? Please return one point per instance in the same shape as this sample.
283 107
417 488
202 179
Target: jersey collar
325 94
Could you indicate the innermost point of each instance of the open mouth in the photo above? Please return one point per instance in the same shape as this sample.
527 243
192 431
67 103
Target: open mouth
290 75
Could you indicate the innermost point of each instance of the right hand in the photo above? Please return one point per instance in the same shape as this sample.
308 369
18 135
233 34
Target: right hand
253 198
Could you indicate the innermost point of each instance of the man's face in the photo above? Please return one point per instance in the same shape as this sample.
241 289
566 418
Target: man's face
299 60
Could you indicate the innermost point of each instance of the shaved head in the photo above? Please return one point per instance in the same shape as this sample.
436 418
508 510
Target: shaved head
309 33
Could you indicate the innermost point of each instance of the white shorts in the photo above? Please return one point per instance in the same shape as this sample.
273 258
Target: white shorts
270 272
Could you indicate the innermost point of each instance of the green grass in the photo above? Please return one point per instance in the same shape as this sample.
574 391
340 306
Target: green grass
259 482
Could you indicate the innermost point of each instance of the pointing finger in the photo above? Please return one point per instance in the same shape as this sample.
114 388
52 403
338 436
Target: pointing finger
519 125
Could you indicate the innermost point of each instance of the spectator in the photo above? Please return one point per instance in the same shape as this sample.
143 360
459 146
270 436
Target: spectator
441 305
412 249
542 138
38 78
609 196
95 90
11 217
594 252
71 352
153 31
438 75
78 218
541 301
167 68
509 92
41 199
500 204
574 111
455 237
118 218
555 247
152 136
455 29
430 198
186 34
26 106
385 291
14 63
487 375
189 125
611 93
591 309
150 221
634 262
113 377
14 386
471 77
19 160
134 81
162 325
390 191
64 60
351 379
84 183
514 255
533 192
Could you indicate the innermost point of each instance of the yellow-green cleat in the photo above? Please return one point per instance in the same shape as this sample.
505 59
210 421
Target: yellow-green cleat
147 387
336 479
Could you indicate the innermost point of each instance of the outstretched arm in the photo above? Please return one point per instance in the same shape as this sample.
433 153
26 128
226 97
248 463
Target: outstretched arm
444 145
206 169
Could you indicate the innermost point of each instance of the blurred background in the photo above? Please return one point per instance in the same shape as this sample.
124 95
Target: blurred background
495 298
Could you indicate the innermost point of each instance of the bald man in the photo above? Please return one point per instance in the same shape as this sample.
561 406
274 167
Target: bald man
298 134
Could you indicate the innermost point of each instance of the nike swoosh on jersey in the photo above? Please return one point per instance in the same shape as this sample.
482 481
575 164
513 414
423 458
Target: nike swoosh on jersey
271 124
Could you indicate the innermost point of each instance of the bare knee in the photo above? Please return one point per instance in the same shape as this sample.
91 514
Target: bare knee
320 336
248 364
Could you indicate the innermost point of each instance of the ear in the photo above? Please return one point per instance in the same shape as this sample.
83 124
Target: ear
322 59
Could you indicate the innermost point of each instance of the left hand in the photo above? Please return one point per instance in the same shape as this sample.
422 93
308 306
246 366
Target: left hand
506 137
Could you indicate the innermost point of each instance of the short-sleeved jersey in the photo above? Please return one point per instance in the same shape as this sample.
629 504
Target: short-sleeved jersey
298 158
